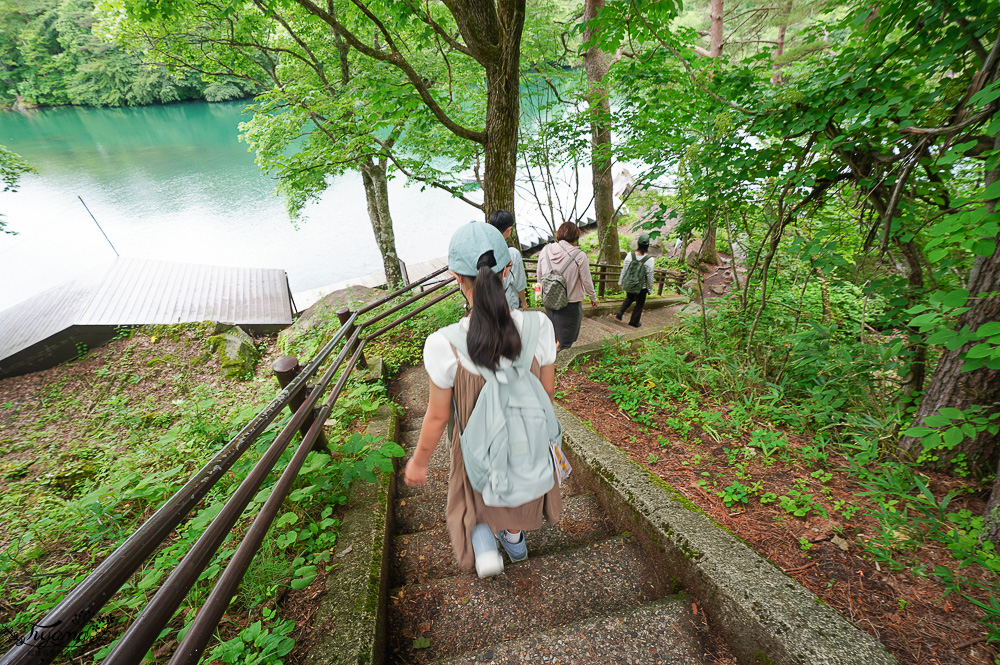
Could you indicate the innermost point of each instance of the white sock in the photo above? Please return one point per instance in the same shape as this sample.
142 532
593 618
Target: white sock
510 537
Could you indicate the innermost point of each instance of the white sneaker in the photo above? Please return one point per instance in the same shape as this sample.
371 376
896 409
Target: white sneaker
489 564
484 545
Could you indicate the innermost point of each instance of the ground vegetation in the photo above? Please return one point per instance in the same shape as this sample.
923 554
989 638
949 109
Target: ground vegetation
90 449
801 472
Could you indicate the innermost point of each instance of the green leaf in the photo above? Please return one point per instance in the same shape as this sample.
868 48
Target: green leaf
302 582
918 431
984 247
980 351
988 329
951 413
924 319
937 254
421 642
942 336
953 436
956 298
991 192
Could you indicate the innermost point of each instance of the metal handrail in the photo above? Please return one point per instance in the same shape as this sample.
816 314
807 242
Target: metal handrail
49 636
607 273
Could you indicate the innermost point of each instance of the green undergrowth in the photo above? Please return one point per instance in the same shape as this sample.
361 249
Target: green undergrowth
403 345
89 456
807 402
399 347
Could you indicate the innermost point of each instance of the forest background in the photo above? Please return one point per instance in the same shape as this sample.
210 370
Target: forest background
846 153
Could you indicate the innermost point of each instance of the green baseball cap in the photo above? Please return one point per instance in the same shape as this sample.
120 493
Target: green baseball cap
643 239
471 241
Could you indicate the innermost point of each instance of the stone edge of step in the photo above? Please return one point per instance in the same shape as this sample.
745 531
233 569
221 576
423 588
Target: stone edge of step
354 597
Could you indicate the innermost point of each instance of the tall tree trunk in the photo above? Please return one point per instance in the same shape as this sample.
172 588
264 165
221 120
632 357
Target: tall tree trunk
913 268
950 387
503 87
715 33
708 253
780 48
596 65
373 174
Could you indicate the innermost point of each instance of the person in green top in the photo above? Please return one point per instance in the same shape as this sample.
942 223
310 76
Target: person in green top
637 280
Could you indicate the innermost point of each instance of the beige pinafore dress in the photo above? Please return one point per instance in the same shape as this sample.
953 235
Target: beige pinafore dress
465 505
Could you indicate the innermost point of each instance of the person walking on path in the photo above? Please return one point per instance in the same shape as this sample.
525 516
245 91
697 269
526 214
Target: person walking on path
563 256
516 281
477 257
637 279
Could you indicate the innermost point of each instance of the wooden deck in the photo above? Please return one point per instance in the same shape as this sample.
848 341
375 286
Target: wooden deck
47 329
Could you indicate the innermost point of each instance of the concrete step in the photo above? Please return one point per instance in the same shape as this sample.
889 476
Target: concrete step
658 633
437 468
423 512
463 613
427 555
423 508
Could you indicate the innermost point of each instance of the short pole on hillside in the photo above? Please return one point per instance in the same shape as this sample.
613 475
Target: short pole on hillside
285 369
344 313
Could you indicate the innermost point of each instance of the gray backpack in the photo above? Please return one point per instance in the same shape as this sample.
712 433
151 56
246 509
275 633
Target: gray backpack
555 293
511 428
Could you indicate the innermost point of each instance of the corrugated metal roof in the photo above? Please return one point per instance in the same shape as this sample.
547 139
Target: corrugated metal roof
139 291
143 291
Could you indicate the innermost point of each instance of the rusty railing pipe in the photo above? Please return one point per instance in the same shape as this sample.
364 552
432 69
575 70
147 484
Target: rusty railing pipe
51 634
141 635
192 647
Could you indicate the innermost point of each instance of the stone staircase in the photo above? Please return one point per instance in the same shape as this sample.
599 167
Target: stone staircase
586 594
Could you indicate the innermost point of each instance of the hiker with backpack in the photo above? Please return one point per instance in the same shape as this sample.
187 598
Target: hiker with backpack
516 281
493 373
564 275
637 279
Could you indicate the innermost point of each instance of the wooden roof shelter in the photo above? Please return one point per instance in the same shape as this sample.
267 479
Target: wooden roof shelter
51 327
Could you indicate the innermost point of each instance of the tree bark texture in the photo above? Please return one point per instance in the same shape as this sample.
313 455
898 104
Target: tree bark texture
493 33
715 34
373 174
950 387
490 34
708 253
596 66
780 48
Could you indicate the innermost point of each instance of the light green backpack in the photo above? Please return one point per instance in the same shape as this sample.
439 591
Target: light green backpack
506 443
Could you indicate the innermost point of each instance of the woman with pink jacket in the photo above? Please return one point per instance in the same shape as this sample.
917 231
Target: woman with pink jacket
563 256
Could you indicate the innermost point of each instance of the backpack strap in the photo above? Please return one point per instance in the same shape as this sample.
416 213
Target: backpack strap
457 337
579 252
571 261
530 325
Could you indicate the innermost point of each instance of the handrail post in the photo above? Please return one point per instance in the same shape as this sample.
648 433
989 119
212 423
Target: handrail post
285 369
344 313
601 280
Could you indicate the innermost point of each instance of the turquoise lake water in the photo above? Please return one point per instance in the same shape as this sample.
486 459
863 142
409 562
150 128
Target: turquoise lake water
175 183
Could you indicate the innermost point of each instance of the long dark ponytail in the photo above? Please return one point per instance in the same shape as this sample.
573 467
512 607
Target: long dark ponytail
492 333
